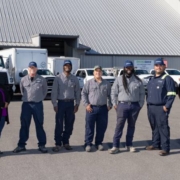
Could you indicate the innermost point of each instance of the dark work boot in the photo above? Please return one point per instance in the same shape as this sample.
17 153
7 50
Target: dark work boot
19 149
43 149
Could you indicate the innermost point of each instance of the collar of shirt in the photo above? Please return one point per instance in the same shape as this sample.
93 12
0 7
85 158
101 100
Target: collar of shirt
66 76
102 80
130 79
33 77
155 77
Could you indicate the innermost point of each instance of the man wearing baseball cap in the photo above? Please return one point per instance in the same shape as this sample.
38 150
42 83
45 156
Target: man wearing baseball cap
160 97
97 100
127 95
33 89
65 98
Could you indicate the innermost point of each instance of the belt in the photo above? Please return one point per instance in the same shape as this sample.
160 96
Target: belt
66 100
99 105
31 102
127 102
156 104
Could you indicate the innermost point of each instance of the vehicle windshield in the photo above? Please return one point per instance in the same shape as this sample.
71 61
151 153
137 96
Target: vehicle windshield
1 62
44 72
139 72
148 77
90 73
173 72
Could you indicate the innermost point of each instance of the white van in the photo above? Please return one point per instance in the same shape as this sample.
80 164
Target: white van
17 60
55 64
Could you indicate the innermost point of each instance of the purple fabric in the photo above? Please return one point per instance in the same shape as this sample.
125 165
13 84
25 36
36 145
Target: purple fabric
4 110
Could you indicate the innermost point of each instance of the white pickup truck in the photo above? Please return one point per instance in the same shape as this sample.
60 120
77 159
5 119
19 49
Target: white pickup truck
174 73
45 73
84 75
141 73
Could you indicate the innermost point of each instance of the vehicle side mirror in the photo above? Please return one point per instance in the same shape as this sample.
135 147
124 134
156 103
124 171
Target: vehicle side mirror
21 74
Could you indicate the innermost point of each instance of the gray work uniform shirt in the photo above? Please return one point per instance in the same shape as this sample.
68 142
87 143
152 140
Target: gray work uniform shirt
95 93
136 91
33 91
65 87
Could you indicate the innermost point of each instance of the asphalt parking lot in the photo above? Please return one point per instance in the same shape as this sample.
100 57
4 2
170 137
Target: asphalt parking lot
80 165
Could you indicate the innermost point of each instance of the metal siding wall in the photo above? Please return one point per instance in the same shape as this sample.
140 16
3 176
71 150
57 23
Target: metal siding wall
118 61
91 61
173 62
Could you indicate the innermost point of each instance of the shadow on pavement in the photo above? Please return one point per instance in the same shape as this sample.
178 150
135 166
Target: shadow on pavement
140 145
36 151
174 153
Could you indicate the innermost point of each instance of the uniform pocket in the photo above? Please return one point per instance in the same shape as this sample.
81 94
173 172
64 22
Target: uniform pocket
166 113
138 105
26 84
93 88
121 87
104 90
136 86
38 85
71 84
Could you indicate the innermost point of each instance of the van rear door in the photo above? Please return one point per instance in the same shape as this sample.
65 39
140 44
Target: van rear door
40 58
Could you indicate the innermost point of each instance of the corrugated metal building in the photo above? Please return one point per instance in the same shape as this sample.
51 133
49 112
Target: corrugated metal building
99 31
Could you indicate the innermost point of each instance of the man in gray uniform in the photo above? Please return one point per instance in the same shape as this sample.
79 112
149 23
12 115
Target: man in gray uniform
128 98
33 89
65 90
96 94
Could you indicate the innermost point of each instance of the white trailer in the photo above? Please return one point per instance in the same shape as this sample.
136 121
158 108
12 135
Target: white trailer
55 64
17 60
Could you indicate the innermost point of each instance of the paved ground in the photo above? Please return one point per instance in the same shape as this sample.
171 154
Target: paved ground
79 165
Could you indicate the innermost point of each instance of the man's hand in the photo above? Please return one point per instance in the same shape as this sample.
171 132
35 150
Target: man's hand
109 108
88 108
165 109
76 107
6 105
115 107
56 109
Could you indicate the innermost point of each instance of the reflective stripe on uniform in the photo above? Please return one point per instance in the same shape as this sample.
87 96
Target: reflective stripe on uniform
164 76
171 94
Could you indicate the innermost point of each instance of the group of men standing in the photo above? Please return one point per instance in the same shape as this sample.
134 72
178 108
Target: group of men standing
126 96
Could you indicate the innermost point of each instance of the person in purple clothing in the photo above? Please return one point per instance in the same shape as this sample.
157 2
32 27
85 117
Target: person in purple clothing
4 102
